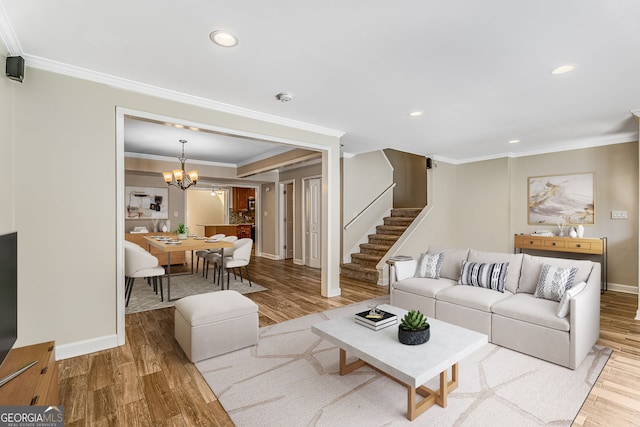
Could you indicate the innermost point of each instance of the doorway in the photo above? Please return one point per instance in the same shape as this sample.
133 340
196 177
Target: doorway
330 281
287 218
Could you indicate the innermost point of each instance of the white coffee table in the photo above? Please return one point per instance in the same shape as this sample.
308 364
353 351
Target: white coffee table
409 365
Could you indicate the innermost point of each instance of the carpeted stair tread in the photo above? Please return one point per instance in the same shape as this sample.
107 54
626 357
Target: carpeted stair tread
398 220
367 260
410 212
395 230
360 272
373 249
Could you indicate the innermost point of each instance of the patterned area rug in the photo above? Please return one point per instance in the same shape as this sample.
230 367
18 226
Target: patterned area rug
143 298
291 379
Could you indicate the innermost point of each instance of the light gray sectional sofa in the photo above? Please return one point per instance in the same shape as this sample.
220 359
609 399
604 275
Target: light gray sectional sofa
515 318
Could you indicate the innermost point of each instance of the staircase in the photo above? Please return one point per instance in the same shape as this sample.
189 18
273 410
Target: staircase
363 264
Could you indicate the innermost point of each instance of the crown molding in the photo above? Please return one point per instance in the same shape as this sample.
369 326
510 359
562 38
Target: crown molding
620 138
173 159
266 155
636 113
145 89
7 34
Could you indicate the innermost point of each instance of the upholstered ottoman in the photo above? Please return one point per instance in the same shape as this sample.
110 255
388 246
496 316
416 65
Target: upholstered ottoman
207 325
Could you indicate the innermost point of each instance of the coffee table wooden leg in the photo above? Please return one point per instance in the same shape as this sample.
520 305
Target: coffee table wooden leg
431 397
348 368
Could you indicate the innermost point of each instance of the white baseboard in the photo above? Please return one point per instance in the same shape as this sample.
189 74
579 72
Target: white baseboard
270 256
622 288
298 261
78 348
334 293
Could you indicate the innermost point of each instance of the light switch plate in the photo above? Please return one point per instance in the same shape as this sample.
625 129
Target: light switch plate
619 215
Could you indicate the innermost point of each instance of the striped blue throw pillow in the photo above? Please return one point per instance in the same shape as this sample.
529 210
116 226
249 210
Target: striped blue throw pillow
490 276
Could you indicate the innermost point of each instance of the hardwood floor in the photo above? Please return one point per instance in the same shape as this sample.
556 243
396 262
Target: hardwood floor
149 381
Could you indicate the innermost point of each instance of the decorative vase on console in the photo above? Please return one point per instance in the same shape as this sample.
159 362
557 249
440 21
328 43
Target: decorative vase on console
580 230
573 232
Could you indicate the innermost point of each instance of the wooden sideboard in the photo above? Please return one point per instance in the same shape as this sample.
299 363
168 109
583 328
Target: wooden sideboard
38 385
138 239
589 246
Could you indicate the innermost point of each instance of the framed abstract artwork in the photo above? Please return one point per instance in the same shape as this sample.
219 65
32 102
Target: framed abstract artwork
562 199
146 203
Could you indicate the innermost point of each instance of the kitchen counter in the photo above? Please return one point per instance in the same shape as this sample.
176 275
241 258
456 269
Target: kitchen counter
239 230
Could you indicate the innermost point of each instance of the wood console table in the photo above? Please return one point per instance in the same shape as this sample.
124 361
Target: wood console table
38 385
589 246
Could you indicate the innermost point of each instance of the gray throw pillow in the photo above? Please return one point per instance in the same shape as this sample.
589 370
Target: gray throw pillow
429 266
554 282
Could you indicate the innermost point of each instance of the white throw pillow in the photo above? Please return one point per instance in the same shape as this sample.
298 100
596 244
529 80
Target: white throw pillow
405 269
565 302
554 282
429 266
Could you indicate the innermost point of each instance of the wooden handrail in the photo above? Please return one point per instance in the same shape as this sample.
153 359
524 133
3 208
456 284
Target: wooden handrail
366 208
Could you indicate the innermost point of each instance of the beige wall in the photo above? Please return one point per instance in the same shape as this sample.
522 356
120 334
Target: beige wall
616 172
6 148
364 177
483 204
410 176
269 219
64 135
203 208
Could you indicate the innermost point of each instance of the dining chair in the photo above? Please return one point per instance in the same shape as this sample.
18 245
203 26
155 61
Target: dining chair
140 263
214 254
240 257
202 253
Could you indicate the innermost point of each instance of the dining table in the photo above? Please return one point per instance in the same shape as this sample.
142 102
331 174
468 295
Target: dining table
188 244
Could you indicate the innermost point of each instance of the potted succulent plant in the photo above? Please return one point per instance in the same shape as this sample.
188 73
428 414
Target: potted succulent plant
414 328
182 231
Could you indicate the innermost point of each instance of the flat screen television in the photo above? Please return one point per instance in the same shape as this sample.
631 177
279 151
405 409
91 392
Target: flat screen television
8 293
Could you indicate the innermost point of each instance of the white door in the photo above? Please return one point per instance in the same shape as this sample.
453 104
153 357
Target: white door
312 222
289 221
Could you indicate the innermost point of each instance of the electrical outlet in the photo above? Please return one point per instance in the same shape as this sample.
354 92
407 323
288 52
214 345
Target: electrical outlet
175 214
619 215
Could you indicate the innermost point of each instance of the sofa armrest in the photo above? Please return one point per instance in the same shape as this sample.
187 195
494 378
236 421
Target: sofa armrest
401 270
584 318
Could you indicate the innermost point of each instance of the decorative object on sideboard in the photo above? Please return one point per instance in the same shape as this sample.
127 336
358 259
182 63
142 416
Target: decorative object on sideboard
178 177
414 328
580 230
561 224
573 233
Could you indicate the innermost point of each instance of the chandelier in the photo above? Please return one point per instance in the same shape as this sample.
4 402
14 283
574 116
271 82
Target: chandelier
178 177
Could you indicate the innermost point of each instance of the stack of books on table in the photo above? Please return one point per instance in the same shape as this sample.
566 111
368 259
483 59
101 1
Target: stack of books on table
376 321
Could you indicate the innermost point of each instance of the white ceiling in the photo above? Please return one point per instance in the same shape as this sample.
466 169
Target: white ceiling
479 70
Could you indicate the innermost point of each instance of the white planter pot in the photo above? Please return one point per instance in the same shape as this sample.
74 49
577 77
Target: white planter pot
182 236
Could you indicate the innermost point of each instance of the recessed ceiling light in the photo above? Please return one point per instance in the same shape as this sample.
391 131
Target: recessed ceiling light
563 69
514 141
223 38
415 113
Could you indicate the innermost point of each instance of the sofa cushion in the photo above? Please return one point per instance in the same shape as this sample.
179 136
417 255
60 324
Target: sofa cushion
527 308
565 302
490 276
423 286
554 282
532 267
429 265
513 272
452 261
473 297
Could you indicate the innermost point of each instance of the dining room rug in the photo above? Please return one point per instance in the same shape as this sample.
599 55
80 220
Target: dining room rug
143 298
291 379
